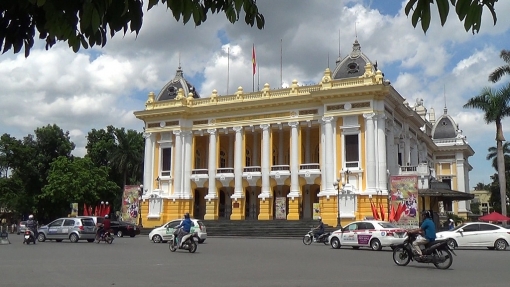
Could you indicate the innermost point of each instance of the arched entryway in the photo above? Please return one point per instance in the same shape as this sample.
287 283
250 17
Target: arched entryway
252 206
281 202
225 203
199 203
310 192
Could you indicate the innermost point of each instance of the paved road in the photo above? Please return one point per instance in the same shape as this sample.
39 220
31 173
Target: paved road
235 262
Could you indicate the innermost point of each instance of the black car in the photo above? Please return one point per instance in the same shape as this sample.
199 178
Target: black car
121 228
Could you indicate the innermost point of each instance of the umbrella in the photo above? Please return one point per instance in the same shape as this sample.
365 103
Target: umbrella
494 216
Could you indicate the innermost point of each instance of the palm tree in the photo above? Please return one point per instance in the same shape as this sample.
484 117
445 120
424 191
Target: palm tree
493 152
127 156
496 105
503 70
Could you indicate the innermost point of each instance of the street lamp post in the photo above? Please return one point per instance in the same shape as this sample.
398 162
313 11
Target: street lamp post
140 194
336 184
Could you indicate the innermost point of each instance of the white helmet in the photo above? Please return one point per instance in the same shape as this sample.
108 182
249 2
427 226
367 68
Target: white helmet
106 216
319 218
30 216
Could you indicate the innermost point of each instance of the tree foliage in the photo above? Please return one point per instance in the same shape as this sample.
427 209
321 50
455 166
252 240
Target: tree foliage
469 11
76 180
497 74
86 23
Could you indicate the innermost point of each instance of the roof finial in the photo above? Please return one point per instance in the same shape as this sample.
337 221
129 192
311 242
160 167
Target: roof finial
179 60
339 55
444 95
355 31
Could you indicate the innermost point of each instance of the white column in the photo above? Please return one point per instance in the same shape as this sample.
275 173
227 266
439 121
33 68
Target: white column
370 148
294 160
381 153
280 146
461 183
407 149
328 172
147 162
265 159
186 191
230 150
307 145
238 163
256 149
177 163
212 164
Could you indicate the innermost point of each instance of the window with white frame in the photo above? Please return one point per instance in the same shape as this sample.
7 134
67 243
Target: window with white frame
351 149
155 205
166 161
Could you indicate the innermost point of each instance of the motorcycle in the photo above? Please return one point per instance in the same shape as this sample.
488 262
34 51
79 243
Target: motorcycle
106 237
437 253
188 242
309 238
28 237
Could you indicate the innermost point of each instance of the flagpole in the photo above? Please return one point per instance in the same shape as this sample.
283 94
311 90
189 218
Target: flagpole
281 63
228 66
254 64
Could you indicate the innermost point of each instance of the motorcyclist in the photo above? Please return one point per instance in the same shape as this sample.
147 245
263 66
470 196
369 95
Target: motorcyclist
427 230
319 230
186 228
32 225
104 226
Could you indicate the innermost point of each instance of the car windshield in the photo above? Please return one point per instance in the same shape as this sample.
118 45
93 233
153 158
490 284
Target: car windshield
387 225
87 222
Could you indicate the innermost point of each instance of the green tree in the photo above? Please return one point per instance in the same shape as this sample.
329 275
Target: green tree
493 152
100 144
127 157
75 180
85 23
475 207
495 104
503 70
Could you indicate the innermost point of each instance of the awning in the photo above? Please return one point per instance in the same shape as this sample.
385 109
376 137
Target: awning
446 194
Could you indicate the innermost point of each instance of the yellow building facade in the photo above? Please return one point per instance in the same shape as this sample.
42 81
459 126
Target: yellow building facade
278 153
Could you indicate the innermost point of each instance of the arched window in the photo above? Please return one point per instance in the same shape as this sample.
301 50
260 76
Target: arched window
223 159
248 157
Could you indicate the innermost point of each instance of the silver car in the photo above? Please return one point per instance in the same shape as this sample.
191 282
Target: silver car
70 228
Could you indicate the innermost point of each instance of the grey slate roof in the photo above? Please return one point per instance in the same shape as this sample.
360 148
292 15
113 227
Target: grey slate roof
169 91
353 65
444 128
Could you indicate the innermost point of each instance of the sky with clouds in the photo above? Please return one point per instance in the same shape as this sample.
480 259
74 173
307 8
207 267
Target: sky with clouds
103 86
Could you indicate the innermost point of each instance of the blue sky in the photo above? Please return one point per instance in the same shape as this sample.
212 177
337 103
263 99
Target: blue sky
98 87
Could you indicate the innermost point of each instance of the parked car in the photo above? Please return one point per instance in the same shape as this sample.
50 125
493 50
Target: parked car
72 228
370 233
163 233
121 228
477 234
22 226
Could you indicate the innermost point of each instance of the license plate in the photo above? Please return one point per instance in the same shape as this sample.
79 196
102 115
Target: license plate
27 236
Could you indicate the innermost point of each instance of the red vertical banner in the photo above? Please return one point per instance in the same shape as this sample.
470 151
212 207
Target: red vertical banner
254 59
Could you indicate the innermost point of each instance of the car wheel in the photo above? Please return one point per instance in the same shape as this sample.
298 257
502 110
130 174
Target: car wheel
120 234
41 237
335 243
452 243
74 238
500 244
201 241
156 238
375 244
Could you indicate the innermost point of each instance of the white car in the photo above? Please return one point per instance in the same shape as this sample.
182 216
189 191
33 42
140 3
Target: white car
163 233
369 233
477 234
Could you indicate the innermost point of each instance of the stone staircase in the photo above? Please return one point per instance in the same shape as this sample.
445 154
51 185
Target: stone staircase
256 228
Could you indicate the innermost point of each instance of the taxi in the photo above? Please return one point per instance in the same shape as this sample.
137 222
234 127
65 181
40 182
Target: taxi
369 233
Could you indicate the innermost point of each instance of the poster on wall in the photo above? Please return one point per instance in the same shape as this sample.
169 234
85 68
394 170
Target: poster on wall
130 203
404 200
281 208
316 210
